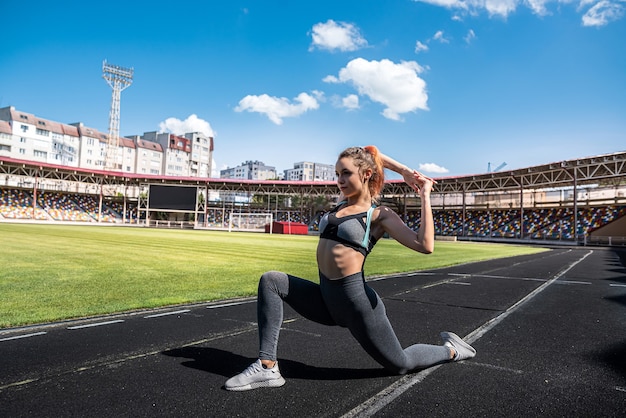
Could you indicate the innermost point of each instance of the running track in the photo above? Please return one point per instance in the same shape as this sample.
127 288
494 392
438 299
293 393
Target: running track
550 331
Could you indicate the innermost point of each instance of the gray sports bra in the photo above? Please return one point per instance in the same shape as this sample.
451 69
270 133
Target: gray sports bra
350 230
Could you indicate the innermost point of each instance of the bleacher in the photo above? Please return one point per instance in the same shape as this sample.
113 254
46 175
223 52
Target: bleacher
540 223
17 204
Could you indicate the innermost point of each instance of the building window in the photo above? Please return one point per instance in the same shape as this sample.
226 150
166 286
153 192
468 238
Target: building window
24 128
42 154
42 132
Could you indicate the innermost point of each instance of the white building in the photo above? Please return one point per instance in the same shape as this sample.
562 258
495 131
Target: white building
127 155
176 150
309 171
28 137
250 170
93 144
201 154
149 157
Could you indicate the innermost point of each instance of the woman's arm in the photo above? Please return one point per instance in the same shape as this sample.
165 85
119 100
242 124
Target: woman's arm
410 176
424 240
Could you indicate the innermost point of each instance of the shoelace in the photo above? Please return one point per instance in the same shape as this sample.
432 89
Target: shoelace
252 369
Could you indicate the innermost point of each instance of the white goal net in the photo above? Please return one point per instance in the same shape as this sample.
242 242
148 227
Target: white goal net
250 221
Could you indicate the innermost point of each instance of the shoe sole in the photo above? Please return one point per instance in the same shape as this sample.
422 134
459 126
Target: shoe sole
274 383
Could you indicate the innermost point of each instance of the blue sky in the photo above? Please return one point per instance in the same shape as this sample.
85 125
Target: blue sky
445 86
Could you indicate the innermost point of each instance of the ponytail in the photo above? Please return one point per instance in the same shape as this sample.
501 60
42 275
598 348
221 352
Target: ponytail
377 180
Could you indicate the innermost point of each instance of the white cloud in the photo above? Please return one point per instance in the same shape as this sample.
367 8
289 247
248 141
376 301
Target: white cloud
498 7
493 7
433 168
319 95
439 36
336 36
419 47
595 12
277 108
470 36
350 102
602 13
397 86
192 124
450 4
538 6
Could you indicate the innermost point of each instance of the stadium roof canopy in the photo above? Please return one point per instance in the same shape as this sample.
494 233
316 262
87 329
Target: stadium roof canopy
605 170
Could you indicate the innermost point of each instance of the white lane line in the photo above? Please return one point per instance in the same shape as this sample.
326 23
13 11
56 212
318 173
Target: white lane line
393 276
482 330
97 324
393 391
493 367
131 357
571 282
17 337
617 285
223 305
167 313
491 276
23 382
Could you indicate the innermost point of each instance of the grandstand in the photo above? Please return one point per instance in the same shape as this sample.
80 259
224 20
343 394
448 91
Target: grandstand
579 201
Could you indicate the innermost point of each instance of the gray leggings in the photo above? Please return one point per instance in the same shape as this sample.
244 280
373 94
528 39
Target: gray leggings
348 302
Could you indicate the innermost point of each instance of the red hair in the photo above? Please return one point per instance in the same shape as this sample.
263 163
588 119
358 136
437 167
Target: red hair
368 158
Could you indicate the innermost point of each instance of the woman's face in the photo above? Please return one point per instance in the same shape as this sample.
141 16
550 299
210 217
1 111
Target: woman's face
349 180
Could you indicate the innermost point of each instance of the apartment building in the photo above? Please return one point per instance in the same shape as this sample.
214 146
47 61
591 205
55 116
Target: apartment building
250 170
28 137
310 171
201 163
176 153
93 145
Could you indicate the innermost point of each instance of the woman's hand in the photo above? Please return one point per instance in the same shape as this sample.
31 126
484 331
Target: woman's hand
420 183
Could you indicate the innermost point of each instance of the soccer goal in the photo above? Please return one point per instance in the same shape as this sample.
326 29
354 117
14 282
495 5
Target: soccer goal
254 222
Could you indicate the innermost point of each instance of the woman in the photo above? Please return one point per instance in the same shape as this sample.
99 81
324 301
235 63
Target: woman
347 235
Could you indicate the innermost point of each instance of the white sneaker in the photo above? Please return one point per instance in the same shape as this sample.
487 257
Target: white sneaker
462 349
256 376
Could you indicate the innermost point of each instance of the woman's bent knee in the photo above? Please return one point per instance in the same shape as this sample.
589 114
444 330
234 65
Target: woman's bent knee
275 281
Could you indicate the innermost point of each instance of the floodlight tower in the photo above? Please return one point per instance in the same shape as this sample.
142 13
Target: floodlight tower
118 78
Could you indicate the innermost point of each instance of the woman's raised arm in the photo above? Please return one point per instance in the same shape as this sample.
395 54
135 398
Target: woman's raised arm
411 177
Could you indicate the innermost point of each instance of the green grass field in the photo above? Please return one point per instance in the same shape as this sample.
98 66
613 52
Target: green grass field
54 272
